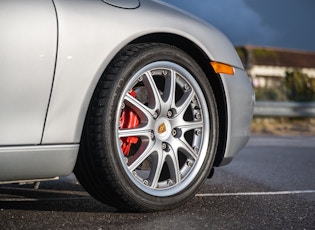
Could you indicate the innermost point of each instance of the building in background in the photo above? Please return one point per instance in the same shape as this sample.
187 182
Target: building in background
267 66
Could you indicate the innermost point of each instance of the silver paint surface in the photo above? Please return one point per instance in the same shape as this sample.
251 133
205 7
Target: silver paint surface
89 33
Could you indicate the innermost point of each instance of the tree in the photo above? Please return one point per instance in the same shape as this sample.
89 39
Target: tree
299 86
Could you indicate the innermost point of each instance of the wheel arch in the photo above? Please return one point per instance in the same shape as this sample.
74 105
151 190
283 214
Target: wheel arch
217 86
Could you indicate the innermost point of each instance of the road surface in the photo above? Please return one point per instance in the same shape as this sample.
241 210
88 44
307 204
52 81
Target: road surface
269 185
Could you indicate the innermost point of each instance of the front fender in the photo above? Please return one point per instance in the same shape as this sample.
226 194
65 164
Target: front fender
91 33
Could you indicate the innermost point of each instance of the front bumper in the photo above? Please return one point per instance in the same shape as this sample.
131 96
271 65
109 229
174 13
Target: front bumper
240 99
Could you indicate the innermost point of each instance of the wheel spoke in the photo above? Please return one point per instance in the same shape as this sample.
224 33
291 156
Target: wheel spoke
135 132
142 154
157 169
184 146
169 90
189 125
184 102
154 94
173 166
143 111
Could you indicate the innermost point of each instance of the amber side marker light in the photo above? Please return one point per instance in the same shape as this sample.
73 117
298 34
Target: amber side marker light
222 68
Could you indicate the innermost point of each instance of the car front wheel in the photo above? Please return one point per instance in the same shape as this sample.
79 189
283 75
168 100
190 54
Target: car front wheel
151 130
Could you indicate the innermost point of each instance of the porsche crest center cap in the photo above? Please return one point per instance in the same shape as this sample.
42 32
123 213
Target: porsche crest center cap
162 128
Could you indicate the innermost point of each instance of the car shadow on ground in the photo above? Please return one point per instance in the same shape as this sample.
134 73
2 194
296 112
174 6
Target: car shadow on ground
62 195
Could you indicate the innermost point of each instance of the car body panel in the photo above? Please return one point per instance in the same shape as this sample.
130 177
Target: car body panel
240 106
27 61
86 47
130 4
87 41
36 162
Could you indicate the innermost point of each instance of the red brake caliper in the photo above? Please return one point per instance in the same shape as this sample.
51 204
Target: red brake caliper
128 120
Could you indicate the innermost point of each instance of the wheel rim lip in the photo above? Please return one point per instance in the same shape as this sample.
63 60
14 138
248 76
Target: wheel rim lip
205 139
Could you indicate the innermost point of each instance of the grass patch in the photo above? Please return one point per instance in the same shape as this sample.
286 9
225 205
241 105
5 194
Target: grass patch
283 126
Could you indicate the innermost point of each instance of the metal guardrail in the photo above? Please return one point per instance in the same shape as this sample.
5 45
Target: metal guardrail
284 109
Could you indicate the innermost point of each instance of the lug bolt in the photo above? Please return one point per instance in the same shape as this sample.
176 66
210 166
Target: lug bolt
196 149
140 79
198 116
164 146
155 115
169 113
186 87
194 100
189 163
170 182
134 173
198 132
145 182
181 175
152 135
174 132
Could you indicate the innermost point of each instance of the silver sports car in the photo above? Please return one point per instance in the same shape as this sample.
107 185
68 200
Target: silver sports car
140 100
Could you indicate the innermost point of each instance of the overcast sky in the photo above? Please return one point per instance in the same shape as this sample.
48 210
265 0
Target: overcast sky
273 23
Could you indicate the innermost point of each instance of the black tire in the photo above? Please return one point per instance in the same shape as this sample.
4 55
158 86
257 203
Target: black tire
178 134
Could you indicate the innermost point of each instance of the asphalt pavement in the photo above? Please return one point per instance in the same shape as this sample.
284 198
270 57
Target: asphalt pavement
269 185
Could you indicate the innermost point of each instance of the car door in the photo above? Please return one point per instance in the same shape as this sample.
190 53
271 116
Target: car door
28 45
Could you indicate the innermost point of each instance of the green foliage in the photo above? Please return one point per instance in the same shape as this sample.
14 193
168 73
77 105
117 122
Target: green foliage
299 87
241 52
296 86
269 94
265 53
